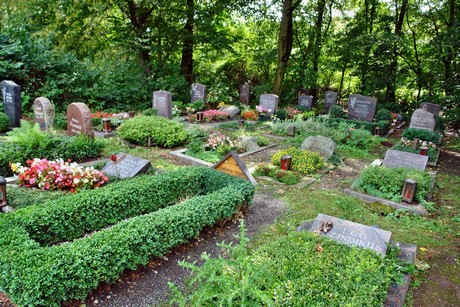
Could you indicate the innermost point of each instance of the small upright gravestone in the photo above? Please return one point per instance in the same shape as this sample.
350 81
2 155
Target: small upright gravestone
162 102
245 93
198 92
330 99
269 101
324 146
126 166
422 119
79 120
432 108
350 233
396 158
12 102
43 113
303 99
361 107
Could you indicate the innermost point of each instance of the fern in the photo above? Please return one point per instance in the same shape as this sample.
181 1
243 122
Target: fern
29 135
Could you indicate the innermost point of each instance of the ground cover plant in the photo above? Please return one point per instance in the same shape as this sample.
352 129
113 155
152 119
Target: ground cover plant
303 161
37 272
275 172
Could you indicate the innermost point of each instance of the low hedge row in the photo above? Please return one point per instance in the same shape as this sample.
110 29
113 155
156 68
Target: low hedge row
45 276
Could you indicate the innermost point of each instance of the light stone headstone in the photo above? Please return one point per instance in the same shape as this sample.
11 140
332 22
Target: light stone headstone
330 99
162 102
422 119
396 158
231 110
198 92
79 120
269 101
126 166
433 108
303 99
324 146
245 93
43 113
12 102
361 107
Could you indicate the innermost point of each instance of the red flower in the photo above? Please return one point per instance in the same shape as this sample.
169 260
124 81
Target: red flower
113 158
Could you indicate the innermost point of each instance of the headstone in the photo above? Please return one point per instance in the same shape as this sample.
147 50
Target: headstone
162 102
422 119
43 113
351 233
233 165
245 93
320 144
330 99
126 166
269 101
12 102
198 92
303 99
432 108
361 107
396 158
231 110
79 120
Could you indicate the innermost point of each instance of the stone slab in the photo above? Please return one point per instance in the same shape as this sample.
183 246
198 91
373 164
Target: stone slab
361 107
433 108
320 144
422 119
126 166
198 92
12 102
162 102
330 99
43 113
231 110
79 120
396 158
305 100
269 101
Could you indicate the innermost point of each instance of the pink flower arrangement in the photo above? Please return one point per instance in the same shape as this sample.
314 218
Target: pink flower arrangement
215 140
120 116
292 111
210 116
262 110
58 175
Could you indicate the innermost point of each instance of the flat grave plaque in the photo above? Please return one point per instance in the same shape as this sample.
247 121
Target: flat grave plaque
12 102
361 107
324 146
162 102
126 166
231 110
396 158
422 119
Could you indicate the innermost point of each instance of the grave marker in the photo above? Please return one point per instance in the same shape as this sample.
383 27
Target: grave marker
245 93
231 110
422 119
12 102
198 92
432 108
396 158
126 166
162 102
233 165
361 107
330 99
79 120
324 146
303 99
43 113
269 101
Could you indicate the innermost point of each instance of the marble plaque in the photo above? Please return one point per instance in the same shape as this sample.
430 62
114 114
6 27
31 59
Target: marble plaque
126 166
245 93
330 99
198 92
269 101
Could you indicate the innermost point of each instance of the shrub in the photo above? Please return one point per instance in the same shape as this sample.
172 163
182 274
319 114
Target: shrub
150 112
262 141
60 121
4 122
162 131
336 111
383 115
421 134
22 197
287 177
281 114
29 135
303 161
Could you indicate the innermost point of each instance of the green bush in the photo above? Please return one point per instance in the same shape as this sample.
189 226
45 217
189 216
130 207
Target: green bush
303 161
34 275
150 112
421 134
281 114
262 141
336 111
287 177
162 131
60 121
383 115
387 183
4 122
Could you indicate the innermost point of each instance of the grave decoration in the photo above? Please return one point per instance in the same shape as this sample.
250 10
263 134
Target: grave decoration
324 146
330 99
269 103
12 102
245 93
419 141
198 93
126 166
396 158
422 119
233 165
361 107
162 102
43 113
79 120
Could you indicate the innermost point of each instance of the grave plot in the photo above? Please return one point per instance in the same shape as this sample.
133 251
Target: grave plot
53 252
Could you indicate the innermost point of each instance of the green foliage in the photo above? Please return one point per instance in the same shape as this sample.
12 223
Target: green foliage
281 114
196 146
29 135
150 112
303 161
211 156
197 105
336 111
387 183
383 115
224 149
432 152
265 169
162 131
287 177
262 140
60 121
70 270
4 122
337 123
421 134
23 197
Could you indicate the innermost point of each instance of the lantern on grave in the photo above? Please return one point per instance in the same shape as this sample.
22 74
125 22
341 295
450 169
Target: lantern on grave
199 116
376 130
106 125
286 163
408 192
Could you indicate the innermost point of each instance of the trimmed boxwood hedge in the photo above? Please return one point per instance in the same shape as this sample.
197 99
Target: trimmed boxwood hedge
35 273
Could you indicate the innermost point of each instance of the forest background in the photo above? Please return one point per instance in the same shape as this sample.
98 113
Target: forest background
112 54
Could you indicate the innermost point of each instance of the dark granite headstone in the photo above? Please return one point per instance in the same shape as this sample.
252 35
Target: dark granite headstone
231 110
245 93
79 120
330 99
361 107
126 166
269 101
303 99
198 92
422 119
12 102
43 113
162 102
396 158
350 233
320 144
432 108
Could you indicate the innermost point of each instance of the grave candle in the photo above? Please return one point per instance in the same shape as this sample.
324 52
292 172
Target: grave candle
106 125
2 191
376 130
424 151
408 191
286 162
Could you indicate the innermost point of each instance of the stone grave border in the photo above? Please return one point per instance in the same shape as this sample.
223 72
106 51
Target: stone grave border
435 162
396 294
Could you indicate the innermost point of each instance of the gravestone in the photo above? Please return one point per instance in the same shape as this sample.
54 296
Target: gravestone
198 92
396 158
43 113
432 108
350 233
233 165
269 101
303 99
12 102
162 102
330 99
231 110
126 166
324 146
422 119
79 120
245 93
361 107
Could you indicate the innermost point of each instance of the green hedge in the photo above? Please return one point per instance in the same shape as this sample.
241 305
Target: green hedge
35 275
422 134
4 122
369 126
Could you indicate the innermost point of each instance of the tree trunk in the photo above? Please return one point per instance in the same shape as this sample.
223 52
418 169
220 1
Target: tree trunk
317 47
186 65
